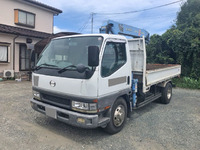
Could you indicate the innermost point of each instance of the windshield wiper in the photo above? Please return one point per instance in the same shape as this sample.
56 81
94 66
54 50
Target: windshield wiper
45 64
67 68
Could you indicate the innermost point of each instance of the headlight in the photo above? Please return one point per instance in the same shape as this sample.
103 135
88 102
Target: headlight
84 107
36 95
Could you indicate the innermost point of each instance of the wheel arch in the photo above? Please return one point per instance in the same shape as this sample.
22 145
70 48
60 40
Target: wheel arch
164 83
126 97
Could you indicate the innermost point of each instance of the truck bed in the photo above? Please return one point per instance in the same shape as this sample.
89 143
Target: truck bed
149 74
156 73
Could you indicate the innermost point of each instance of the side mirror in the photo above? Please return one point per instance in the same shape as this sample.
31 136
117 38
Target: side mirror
93 56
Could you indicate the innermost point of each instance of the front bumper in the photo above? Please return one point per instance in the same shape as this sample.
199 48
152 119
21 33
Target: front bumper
70 117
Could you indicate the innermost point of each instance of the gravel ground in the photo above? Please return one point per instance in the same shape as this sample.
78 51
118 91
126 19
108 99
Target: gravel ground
155 126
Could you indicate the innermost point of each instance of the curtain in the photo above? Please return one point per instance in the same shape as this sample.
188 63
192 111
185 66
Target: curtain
3 53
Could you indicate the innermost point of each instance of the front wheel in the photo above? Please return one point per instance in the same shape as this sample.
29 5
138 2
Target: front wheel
166 93
118 116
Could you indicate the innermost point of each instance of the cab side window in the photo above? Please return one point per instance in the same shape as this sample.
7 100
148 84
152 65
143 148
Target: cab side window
113 58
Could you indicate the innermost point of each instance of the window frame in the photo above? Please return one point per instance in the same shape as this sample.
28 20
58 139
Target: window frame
16 18
117 42
7 53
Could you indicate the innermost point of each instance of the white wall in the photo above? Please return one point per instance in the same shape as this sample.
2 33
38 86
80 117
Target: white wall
43 18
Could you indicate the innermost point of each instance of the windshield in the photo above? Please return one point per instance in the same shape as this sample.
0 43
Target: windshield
64 52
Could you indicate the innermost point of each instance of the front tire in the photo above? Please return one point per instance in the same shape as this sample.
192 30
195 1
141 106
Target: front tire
118 116
166 94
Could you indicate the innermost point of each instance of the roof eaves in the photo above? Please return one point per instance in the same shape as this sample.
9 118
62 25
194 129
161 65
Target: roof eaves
57 11
22 32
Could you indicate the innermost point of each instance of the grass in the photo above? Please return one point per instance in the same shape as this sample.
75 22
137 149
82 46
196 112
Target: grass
187 82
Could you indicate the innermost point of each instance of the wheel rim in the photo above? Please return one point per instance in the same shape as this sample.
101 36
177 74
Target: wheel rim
169 93
119 115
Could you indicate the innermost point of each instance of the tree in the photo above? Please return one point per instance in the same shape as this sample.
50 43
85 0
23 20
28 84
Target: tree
181 43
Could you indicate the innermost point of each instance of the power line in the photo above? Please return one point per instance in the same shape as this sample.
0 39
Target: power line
84 25
129 12
136 11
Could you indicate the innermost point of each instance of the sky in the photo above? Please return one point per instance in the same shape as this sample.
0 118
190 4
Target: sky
76 16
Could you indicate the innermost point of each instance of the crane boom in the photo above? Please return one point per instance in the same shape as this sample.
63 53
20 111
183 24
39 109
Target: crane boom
112 27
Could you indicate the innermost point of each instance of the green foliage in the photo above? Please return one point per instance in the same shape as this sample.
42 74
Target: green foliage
187 82
188 16
181 43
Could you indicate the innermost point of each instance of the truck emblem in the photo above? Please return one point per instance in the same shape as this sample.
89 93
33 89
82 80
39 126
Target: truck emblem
52 83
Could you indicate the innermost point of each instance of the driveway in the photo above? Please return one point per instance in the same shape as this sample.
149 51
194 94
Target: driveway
155 126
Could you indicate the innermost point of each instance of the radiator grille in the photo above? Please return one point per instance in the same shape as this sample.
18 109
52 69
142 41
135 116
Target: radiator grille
57 101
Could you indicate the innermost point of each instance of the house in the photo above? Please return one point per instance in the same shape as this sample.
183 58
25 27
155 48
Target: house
22 24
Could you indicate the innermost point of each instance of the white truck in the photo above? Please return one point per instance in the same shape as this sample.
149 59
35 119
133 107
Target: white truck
97 80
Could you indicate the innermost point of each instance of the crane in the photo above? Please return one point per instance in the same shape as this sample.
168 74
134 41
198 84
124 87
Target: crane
112 27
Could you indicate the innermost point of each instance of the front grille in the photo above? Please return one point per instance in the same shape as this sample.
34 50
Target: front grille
57 101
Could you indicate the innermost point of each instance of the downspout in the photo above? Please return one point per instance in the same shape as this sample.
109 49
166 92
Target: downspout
14 51
53 26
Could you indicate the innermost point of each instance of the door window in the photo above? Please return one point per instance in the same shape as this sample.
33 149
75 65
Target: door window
24 58
113 58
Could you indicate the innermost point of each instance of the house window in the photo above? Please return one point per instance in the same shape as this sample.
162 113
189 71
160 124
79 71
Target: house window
3 53
24 18
24 58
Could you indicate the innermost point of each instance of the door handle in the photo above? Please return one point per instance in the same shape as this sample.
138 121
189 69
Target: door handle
128 80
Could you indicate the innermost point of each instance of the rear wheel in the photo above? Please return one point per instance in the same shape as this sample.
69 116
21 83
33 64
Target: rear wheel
166 93
118 116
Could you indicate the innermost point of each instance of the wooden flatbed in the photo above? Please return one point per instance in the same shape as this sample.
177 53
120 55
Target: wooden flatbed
158 66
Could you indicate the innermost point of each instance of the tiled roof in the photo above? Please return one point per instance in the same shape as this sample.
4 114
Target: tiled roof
34 2
22 31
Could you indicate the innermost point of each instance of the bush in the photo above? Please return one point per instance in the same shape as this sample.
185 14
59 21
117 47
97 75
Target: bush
187 82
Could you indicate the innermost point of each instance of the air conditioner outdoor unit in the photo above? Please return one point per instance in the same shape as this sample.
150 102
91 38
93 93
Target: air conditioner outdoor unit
8 73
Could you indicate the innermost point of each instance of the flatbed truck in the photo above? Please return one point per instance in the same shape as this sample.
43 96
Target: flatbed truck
97 80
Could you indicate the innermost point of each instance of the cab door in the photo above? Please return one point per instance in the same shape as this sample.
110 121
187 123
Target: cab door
115 69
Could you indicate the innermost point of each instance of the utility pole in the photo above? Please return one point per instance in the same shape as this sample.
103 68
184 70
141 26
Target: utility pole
92 21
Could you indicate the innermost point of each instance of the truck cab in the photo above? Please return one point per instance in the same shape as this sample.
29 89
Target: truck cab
82 98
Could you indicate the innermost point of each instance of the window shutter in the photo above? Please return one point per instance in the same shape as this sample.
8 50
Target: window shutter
16 16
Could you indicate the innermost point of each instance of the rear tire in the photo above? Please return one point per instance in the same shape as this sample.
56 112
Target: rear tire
166 94
118 116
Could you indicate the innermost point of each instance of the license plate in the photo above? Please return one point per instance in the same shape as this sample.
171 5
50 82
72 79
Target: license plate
81 120
51 112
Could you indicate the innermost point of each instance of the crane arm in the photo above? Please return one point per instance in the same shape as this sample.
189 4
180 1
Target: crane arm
112 27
